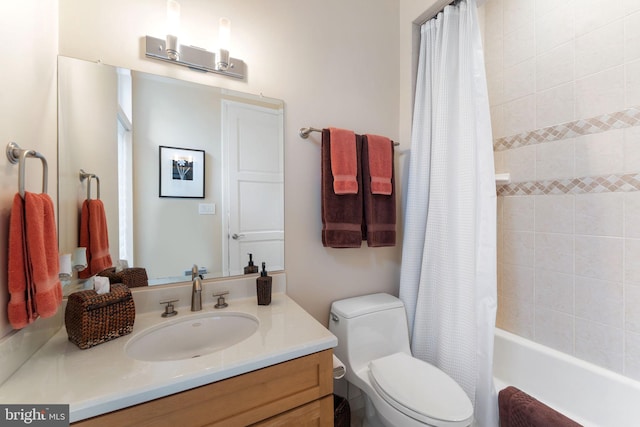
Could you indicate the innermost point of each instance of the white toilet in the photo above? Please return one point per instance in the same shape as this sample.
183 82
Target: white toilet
400 390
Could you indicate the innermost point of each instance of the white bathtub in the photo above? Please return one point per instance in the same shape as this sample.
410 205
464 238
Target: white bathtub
588 394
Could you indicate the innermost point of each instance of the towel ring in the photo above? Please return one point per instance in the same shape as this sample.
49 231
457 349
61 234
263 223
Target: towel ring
15 154
84 175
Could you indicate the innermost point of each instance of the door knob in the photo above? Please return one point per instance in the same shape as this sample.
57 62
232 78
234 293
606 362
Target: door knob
235 236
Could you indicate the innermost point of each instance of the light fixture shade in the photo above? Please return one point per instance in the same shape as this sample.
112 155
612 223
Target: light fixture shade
224 34
173 27
224 39
173 17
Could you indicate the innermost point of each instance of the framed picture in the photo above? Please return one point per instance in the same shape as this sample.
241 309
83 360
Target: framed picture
181 172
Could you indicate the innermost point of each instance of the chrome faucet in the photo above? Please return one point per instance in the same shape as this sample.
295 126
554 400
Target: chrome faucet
194 272
196 294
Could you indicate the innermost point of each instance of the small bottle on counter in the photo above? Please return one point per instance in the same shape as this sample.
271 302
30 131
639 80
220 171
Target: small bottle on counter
250 268
263 287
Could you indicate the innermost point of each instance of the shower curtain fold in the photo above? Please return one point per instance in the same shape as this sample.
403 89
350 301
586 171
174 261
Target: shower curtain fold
448 273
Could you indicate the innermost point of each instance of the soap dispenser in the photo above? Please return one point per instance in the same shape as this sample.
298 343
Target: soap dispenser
250 268
263 287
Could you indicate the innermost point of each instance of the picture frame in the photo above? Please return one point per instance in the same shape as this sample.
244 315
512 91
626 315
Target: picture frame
181 172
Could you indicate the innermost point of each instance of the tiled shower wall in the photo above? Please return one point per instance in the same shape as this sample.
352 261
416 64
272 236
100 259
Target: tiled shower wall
564 89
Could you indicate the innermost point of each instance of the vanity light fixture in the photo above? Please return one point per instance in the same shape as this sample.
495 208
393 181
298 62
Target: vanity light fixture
196 58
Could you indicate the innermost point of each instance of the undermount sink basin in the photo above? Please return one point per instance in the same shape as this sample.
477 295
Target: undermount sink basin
192 336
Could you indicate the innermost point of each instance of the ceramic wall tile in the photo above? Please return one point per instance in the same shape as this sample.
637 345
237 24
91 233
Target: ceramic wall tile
554 291
599 301
600 153
632 216
554 28
554 329
555 214
593 14
518 248
599 344
631 263
599 50
521 163
632 355
519 80
632 36
600 93
517 283
517 14
555 161
632 84
554 252
519 45
520 115
518 213
599 257
555 105
600 214
555 67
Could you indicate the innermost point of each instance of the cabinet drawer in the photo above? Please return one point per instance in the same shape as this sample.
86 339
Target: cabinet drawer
318 413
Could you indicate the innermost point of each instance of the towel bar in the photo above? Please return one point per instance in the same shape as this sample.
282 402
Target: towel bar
15 154
85 175
304 133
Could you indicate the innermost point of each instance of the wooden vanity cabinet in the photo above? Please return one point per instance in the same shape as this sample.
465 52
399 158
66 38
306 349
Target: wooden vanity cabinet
296 393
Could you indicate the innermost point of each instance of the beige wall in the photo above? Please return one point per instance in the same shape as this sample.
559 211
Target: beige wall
334 64
568 257
28 117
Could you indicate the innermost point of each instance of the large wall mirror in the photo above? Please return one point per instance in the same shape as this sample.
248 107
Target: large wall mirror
112 123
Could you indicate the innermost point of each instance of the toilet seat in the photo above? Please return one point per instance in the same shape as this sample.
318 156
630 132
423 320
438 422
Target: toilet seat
420 390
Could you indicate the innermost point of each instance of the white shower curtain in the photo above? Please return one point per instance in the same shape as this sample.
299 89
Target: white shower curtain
448 274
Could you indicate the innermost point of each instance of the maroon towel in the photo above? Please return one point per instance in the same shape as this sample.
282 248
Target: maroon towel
518 409
341 213
379 209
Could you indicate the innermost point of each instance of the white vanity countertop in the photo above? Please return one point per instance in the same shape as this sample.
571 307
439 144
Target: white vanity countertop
103 378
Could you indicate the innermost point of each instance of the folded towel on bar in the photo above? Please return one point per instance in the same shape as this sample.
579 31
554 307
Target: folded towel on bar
518 409
94 236
33 260
21 308
380 150
344 161
379 207
341 214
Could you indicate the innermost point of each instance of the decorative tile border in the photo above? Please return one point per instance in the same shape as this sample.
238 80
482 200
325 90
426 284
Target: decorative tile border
620 119
597 184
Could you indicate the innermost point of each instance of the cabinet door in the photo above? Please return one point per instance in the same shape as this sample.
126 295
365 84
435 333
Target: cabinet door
315 414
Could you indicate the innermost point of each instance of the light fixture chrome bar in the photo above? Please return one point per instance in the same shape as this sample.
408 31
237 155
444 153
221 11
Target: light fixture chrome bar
195 58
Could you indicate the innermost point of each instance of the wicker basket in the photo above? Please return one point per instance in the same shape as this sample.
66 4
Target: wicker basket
132 277
93 319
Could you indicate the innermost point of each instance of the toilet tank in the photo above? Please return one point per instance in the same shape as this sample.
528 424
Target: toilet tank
368 327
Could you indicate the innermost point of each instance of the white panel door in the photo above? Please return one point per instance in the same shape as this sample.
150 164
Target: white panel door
252 140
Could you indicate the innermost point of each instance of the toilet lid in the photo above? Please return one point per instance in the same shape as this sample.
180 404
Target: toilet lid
419 390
